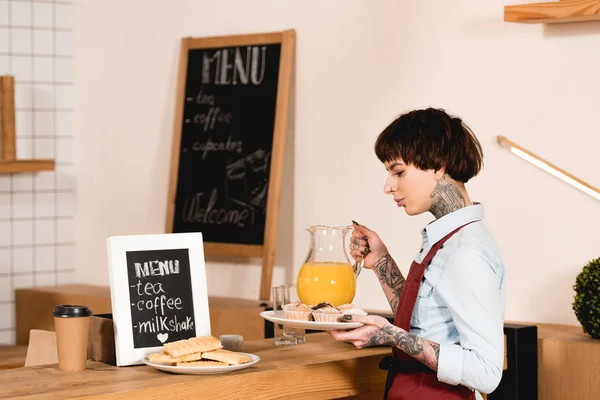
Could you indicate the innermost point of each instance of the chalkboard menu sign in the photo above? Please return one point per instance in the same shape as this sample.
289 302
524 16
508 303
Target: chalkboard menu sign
228 142
158 292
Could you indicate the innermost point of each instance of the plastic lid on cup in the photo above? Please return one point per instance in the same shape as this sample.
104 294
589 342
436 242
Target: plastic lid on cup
69 311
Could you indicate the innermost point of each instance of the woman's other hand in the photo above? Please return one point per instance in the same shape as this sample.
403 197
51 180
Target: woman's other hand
372 333
367 243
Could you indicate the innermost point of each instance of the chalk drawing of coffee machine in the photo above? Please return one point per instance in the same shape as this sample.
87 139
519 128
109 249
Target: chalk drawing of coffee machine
247 182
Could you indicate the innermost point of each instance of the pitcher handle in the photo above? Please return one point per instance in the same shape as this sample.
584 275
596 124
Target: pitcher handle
358 265
359 262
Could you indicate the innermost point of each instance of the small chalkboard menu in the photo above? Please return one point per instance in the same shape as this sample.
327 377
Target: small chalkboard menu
158 292
228 143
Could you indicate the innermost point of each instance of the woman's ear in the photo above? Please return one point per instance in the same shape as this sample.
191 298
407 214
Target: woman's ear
439 174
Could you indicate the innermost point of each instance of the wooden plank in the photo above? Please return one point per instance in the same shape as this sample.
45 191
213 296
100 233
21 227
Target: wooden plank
8 163
320 368
553 12
568 368
176 140
236 250
505 363
12 356
71 289
10 167
568 361
321 381
7 93
236 316
286 66
236 40
34 308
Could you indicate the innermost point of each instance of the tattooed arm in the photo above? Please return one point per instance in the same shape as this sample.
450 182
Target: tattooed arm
391 280
421 349
368 244
377 331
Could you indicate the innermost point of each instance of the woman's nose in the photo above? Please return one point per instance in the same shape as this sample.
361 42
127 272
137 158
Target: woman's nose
387 187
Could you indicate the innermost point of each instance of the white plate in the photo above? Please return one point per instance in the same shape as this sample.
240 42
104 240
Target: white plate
278 317
202 370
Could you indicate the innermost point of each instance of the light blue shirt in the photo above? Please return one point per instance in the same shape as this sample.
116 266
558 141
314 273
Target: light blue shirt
461 301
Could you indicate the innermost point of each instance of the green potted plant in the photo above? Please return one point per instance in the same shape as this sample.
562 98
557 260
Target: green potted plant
587 298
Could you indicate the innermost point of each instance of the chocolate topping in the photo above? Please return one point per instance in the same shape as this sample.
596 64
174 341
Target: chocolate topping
321 305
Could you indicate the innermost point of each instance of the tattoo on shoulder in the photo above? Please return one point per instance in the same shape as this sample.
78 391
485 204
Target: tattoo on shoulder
390 276
446 198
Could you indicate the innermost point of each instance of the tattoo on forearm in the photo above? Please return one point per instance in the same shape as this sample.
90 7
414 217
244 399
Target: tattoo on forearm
381 337
436 349
391 280
421 349
446 198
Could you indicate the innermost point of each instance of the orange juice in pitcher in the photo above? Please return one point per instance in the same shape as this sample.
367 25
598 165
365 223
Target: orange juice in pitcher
326 274
331 282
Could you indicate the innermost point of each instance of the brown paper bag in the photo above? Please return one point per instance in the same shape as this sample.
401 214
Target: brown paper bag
42 348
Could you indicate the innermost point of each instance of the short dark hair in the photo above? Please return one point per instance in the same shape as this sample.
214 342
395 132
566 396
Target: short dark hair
432 139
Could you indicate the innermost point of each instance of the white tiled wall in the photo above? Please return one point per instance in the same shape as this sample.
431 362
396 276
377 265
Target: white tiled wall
37 210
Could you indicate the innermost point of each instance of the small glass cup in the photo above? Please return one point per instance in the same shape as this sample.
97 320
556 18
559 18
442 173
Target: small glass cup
284 335
292 297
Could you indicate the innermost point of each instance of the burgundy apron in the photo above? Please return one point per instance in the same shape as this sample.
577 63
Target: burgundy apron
408 378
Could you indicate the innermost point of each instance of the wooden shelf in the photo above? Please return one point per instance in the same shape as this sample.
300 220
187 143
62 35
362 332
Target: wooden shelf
10 167
8 154
553 12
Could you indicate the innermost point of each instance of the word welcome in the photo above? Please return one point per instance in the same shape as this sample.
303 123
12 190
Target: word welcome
194 211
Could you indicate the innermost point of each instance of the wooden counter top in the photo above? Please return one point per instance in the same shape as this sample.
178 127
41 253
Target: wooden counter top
12 356
319 368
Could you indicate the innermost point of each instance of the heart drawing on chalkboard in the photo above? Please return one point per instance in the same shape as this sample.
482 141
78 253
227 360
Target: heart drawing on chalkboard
162 337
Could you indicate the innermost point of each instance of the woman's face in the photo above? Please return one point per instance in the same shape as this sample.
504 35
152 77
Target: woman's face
410 186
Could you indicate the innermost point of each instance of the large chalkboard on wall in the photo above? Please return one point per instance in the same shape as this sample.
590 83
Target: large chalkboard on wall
228 143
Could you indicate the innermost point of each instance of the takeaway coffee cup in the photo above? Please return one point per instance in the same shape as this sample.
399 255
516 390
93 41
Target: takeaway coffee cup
72 326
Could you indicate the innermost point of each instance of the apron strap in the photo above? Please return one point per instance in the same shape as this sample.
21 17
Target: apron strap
413 283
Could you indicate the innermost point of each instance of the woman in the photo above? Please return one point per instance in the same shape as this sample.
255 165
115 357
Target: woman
447 336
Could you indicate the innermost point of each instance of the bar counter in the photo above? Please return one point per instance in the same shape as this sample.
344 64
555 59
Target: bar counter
320 368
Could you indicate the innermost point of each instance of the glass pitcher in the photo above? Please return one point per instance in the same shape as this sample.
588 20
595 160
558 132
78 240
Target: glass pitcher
327 274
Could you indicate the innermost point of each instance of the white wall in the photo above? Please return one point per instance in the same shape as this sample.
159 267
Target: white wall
359 64
37 210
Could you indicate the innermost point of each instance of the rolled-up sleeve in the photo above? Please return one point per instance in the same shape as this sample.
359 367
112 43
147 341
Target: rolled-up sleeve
472 288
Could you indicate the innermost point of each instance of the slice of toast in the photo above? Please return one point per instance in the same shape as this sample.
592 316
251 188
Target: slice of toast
198 344
202 363
229 357
165 358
